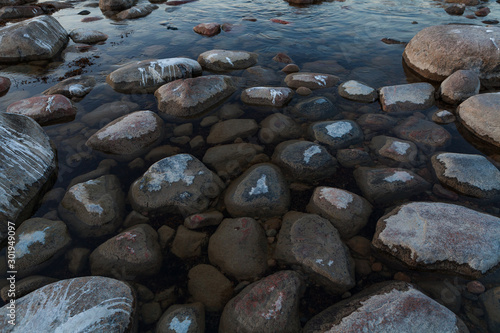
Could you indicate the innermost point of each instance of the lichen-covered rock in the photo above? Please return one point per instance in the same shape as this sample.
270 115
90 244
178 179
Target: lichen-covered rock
311 80
358 92
176 184
406 98
394 152
45 109
336 134
425 134
442 237
459 86
224 60
87 36
312 243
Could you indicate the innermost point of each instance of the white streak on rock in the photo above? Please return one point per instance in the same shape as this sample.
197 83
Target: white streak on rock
28 239
275 93
261 187
399 176
338 129
321 79
337 197
310 152
180 326
48 107
275 309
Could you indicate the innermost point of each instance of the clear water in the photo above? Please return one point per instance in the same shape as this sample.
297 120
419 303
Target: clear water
346 35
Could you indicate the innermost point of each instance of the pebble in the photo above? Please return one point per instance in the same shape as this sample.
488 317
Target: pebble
475 287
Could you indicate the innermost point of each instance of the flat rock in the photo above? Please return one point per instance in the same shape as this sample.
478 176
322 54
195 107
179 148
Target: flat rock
28 162
34 39
191 97
39 243
136 12
346 211
313 243
437 52
148 75
384 186
232 159
176 184
315 108
425 134
479 115
87 36
185 318
228 130
336 134
387 307
239 248
132 253
84 304
394 152
459 86
208 29
73 87
114 5
261 191
357 91
223 60
278 127
107 112
129 136
304 161
270 305
94 208
468 174
435 236
376 122
311 80
267 96
45 109
209 286
406 98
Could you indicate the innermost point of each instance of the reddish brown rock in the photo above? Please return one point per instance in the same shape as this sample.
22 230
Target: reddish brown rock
207 29
4 85
44 109
290 68
283 58
475 287
16 12
482 12
423 133
91 19
311 80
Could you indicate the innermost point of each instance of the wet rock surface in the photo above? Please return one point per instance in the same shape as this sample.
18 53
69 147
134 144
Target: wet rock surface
267 96
459 86
45 109
337 134
357 91
407 97
311 80
225 60
315 108
425 134
73 87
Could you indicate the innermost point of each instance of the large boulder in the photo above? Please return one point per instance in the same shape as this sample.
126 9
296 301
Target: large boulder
435 236
191 97
28 162
479 115
437 52
176 184
224 60
407 98
459 86
34 39
84 304
148 75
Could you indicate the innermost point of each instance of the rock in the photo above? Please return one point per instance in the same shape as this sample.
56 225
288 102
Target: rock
239 248
425 134
455 9
475 287
231 160
304 161
228 130
207 29
267 96
346 211
260 191
270 305
384 186
90 303
191 97
435 236
357 91
395 152
210 287
25 286
465 2
187 243
443 117
186 318
459 86
350 158
87 36
129 136
73 87
229 111
176 184
39 243
105 113
437 52
278 127
202 220
313 243
260 76
481 12
34 39
443 292
223 60
136 12
132 253
78 259
17 12
28 163
45 109
360 246
311 80
184 129
491 301
150 312
315 108
387 307
197 142
468 174
148 75
161 152
303 91
336 134
4 85
114 5
165 235
283 58
290 68
479 115
376 122
406 98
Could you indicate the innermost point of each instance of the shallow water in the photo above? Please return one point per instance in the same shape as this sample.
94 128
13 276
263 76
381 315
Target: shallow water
347 35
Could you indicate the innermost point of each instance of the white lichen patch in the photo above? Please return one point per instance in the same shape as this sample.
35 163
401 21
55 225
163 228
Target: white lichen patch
81 193
164 70
353 87
413 93
310 152
321 79
399 147
224 56
167 171
27 239
180 326
435 232
260 187
399 176
475 170
76 89
337 197
338 129
275 309
132 126
444 113
399 311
